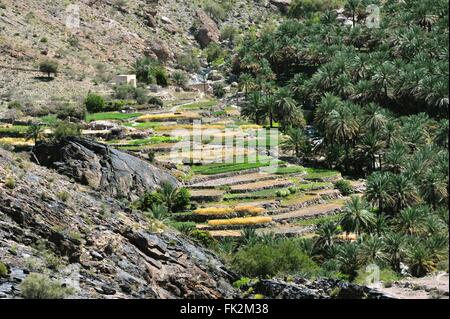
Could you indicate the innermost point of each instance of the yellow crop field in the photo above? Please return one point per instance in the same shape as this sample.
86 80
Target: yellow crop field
167 116
254 210
214 211
16 141
240 221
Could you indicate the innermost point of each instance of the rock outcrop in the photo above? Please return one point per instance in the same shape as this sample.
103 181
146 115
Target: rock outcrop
282 5
208 31
104 169
94 244
319 289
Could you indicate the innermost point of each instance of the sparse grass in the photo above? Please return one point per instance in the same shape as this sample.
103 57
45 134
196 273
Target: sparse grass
265 193
37 286
10 182
111 116
318 173
294 169
319 220
219 168
13 131
144 125
313 186
199 105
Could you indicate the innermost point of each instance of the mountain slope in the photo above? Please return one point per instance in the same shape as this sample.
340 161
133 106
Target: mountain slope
94 244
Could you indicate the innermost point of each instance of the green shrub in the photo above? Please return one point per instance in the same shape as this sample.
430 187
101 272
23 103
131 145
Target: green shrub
229 33
182 200
188 61
215 10
283 193
94 103
203 237
16 105
161 76
184 227
270 259
151 156
387 276
345 187
3 270
49 67
64 129
180 78
214 52
219 90
70 111
10 183
124 92
154 100
37 286
150 71
63 196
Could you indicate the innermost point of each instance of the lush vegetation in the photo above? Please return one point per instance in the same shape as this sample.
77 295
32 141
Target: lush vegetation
377 99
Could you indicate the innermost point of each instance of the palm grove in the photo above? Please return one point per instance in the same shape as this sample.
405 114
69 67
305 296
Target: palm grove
378 101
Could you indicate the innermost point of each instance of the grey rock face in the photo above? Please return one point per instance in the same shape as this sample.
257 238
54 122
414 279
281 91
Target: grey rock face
319 289
97 245
101 167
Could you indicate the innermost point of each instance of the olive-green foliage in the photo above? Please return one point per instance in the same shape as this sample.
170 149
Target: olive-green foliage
345 187
150 71
38 286
189 61
94 103
203 237
271 259
49 67
64 129
3 270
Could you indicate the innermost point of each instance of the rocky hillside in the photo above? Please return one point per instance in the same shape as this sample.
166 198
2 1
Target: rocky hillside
92 246
97 39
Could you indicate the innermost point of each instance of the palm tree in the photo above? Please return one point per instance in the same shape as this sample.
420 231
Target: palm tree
396 158
394 242
253 107
327 236
384 76
352 7
433 188
246 81
357 217
34 132
348 259
403 192
343 127
288 112
371 146
373 250
269 105
419 259
159 212
296 140
378 190
169 195
411 221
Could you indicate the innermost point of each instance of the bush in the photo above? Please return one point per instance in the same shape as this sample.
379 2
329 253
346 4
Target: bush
151 156
203 237
219 90
153 100
70 110
182 200
214 52
124 92
180 78
14 105
37 286
3 270
49 67
64 129
267 260
229 33
10 183
150 71
214 10
345 187
94 103
184 227
188 61
283 193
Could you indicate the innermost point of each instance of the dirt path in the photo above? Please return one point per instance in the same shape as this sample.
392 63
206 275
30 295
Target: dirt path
434 286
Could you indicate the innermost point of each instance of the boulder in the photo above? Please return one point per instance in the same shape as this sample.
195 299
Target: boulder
101 167
160 49
208 31
282 5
